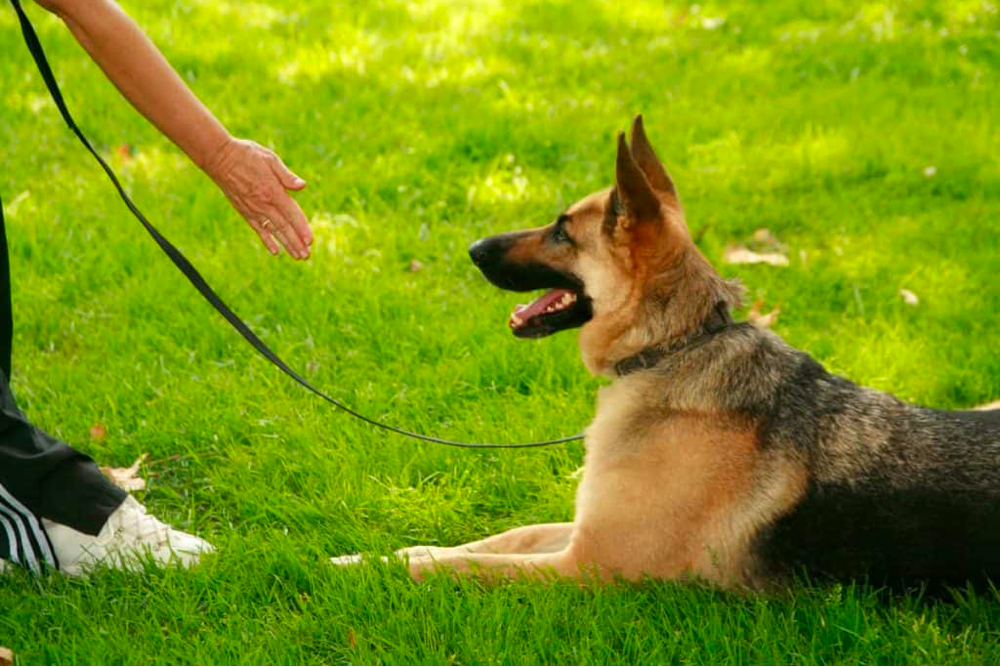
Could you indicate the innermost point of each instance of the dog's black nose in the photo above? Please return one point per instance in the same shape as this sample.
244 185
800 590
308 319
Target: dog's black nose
479 251
490 251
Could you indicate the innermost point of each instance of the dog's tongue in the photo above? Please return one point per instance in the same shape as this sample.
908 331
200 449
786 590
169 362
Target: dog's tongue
550 299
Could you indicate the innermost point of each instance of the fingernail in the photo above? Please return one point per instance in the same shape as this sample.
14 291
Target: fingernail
299 182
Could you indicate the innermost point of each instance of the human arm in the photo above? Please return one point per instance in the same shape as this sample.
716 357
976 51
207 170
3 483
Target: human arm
254 178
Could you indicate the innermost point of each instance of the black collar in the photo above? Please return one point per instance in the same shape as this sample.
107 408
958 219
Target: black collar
717 320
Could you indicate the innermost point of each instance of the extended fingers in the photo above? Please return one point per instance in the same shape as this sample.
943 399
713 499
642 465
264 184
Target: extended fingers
263 228
293 228
284 229
288 206
297 219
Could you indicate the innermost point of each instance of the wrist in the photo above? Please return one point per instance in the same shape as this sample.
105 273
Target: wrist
213 153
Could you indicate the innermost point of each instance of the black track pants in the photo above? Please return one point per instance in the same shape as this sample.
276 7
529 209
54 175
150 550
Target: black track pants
39 475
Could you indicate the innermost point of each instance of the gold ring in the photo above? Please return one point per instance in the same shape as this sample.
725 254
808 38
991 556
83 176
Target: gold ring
266 223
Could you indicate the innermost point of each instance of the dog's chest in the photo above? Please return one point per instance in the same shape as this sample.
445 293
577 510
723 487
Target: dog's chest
656 484
681 492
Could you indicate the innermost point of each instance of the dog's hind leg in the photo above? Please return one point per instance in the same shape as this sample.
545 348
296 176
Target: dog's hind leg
537 539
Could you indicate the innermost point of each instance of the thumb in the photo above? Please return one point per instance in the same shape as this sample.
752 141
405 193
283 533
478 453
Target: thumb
285 175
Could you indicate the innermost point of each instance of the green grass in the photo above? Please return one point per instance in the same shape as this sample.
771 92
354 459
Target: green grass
422 126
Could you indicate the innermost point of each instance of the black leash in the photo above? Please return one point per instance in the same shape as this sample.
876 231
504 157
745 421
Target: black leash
182 263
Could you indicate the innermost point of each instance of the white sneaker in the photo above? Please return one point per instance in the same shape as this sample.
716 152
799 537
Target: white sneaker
129 538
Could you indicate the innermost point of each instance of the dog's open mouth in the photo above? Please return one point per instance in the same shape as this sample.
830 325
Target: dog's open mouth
554 311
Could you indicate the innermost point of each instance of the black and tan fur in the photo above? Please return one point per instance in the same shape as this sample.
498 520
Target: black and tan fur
733 457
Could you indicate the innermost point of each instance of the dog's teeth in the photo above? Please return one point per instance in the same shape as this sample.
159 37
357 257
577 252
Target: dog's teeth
516 320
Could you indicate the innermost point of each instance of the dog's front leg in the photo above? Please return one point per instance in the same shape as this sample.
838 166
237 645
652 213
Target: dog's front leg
537 539
492 566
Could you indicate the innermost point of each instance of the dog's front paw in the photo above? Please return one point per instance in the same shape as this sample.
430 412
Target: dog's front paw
347 559
422 552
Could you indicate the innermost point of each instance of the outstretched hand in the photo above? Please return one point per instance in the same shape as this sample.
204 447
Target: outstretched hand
257 182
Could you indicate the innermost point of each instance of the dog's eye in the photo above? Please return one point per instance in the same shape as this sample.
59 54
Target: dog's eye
559 234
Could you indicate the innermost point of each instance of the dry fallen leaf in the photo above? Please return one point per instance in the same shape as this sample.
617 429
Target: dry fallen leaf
763 247
765 320
995 405
909 297
712 22
127 478
765 236
764 240
98 432
737 254
352 640
6 656
416 265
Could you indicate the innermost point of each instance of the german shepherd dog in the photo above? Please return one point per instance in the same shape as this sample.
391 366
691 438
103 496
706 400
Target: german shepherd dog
719 452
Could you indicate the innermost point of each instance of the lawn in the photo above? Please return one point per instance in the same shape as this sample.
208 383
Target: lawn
865 138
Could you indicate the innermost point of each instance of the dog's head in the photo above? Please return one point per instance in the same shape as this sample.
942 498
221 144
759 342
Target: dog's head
620 263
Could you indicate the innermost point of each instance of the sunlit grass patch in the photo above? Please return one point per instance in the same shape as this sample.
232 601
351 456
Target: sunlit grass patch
864 137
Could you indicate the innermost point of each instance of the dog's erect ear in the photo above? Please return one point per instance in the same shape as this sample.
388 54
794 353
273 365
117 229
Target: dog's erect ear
651 166
636 194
